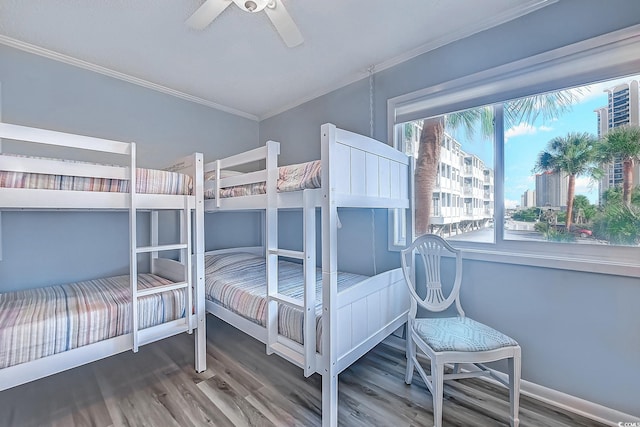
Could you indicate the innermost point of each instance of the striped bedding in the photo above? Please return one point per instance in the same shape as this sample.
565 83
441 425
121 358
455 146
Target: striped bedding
35 323
237 281
290 178
148 181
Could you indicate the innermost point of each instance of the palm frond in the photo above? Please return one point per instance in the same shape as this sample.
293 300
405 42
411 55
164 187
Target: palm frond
548 106
573 154
620 143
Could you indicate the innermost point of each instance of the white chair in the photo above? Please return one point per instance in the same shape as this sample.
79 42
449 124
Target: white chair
450 340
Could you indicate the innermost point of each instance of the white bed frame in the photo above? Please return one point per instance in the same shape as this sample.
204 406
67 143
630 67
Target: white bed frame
357 172
186 273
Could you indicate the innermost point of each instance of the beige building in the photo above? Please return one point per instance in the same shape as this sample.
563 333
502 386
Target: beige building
463 198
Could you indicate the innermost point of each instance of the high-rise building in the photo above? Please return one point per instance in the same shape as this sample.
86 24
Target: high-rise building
551 189
623 108
528 199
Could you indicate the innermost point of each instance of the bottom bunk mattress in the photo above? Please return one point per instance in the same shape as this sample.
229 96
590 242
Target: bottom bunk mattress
237 281
35 323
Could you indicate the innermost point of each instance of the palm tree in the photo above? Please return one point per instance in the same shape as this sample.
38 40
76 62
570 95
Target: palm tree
426 171
526 110
428 159
573 155
622 143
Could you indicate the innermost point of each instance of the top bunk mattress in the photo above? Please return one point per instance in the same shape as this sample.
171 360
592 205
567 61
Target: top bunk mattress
148 181
290 178
40 322
237 281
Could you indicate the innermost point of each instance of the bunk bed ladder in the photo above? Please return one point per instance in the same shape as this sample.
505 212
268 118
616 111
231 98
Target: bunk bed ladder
304 356
182 279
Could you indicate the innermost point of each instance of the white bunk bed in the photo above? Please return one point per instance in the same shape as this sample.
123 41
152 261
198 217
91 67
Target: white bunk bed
356 312
48 330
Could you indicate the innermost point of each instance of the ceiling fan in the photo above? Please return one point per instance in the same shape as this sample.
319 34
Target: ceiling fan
274 9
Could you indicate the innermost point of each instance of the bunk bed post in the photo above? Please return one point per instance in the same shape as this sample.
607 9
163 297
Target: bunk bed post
182 223
201 331
185 258
329 283
309 262
271 217
217 183
133 247
263 232
154 234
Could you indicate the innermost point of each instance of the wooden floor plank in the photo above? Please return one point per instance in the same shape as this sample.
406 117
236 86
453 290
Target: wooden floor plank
68 398
245 387
233 405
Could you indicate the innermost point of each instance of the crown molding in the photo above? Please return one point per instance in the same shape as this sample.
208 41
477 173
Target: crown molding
50 54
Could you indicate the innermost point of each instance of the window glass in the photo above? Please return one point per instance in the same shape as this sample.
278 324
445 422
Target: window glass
459 147
558 186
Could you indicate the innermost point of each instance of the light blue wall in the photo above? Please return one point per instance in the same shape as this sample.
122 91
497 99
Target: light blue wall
578 331
46 248
232 229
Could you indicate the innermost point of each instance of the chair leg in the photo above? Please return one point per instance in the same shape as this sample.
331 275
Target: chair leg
411 354
437 383
514 388
456 368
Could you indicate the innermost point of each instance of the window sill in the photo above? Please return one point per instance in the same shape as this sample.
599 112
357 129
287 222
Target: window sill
583 264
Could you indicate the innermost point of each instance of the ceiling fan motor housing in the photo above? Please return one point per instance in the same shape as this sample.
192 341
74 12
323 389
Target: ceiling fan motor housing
253 5
274 9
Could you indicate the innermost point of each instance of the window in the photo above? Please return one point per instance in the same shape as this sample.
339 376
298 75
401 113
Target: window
500 193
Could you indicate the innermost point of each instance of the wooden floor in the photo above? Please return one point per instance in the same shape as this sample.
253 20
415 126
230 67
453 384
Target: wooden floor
245 387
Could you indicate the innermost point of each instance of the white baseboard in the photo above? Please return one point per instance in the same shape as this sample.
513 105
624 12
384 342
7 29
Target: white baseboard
574 404
567 402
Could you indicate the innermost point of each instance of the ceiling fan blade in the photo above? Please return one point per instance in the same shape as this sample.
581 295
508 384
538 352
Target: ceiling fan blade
284 24
206 13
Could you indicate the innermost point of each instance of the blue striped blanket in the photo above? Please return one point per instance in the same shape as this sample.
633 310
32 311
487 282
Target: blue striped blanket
237 281
35 323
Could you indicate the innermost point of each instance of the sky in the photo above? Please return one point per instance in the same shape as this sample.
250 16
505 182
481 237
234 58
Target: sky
524 142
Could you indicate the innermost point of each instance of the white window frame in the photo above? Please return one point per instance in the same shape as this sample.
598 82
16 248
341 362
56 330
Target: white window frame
0 153
598 59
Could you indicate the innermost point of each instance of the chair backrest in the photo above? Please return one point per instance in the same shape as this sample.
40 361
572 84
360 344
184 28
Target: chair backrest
431 249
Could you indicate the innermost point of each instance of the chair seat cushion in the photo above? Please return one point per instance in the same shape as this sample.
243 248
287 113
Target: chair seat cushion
460 334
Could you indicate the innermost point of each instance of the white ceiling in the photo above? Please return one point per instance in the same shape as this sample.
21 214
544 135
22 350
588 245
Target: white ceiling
239 63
